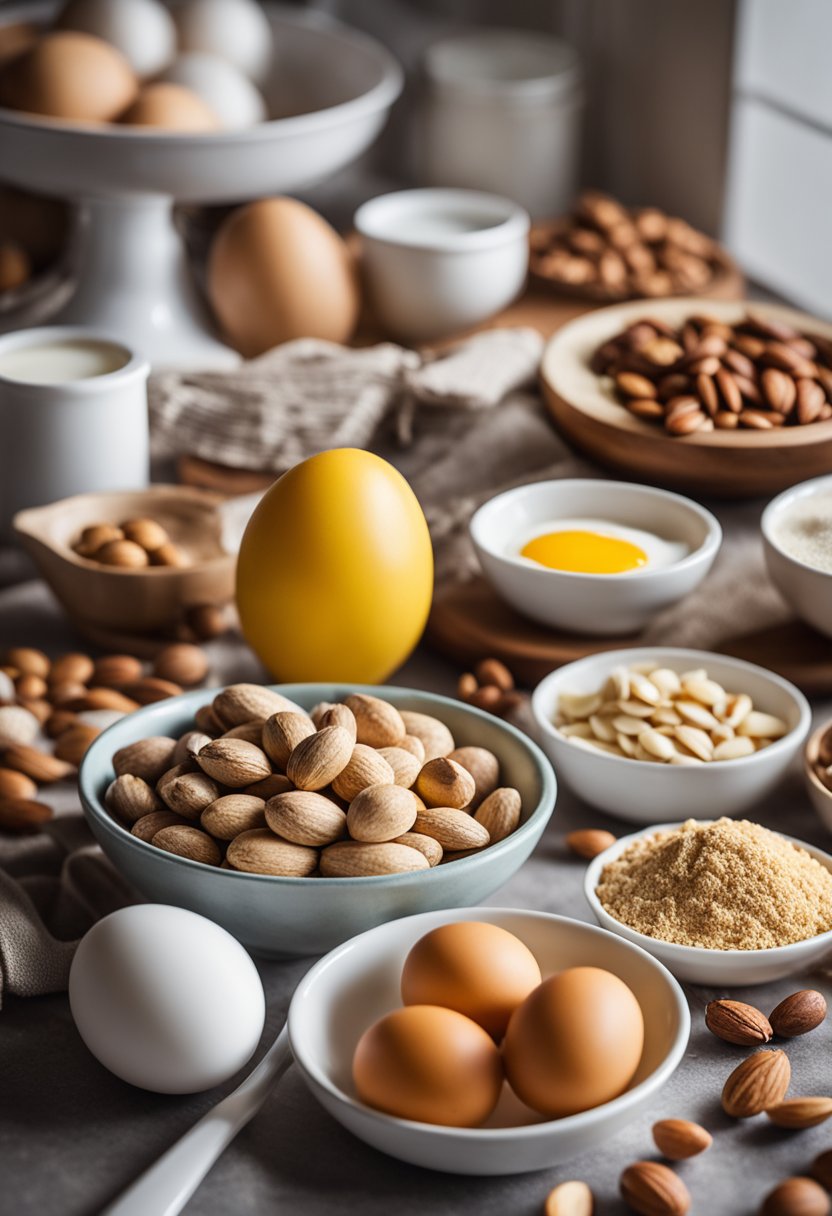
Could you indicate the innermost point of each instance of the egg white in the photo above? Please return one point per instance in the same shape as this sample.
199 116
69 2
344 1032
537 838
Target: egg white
660 553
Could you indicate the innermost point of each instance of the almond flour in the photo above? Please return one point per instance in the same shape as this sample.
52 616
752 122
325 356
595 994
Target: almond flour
727 885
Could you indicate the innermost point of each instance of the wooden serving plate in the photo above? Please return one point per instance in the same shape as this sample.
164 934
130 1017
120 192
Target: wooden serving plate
722 464
469 622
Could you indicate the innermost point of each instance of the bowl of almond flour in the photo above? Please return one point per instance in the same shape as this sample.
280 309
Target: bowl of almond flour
723 902
797 539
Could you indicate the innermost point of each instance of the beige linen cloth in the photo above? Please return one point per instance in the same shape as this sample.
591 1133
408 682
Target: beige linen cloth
461 427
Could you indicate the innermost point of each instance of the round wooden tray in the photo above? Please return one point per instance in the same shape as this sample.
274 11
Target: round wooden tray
469 622
725 464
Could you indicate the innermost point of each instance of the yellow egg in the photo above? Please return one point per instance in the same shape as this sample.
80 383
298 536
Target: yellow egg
278 271
584 553
574 1043
335 573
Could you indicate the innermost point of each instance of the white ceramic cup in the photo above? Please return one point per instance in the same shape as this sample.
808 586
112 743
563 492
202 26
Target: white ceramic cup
439 261
807 590
73 417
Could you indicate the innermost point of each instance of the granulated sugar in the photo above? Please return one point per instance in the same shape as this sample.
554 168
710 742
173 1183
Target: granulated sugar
804 531
727 885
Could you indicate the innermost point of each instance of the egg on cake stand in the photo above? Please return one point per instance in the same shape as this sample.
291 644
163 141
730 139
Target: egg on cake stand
332 88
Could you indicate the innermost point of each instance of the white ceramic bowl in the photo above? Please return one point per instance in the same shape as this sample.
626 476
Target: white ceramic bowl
641 792
611 604
696 965
439 261
274 916
359 982
806 590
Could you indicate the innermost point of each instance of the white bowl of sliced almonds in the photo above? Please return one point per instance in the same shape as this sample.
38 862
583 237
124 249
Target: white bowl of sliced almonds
656 733
299 816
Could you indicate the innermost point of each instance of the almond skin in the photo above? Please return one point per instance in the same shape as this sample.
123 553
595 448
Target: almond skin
379 724
234 762
821 1169
796 1197
37 765
16 785
798 1014
282 733
352 859
499 813
678 1139
366 767
189 794
23 814
318 760
434 735
800 1112
243 702
188 842
455 830
736 1022
651 1189
443 782
148 758
758 1083
147 827
589 842
131 798
181 663
426 845
403 765
381 813
483 766
307 818
261 852
232 814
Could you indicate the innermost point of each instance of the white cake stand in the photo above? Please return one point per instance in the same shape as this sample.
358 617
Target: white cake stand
132 279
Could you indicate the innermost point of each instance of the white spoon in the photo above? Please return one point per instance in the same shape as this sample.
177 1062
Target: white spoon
167 1186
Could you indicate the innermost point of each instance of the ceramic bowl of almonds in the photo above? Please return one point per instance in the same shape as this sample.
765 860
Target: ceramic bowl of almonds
300 815
653 731
720 902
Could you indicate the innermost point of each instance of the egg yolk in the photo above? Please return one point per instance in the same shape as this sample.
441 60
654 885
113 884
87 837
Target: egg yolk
584 553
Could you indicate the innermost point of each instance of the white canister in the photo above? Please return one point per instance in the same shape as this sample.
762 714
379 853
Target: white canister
503 113
73 417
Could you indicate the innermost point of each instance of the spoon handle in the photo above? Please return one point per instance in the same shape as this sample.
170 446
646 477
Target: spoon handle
166 1187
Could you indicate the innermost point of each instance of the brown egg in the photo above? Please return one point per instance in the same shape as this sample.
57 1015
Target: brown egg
476 968
15 267
574 1043
278 271
428 1064
15 38
172 107
69 76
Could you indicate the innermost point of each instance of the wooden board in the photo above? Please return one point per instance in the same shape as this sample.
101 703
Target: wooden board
469 622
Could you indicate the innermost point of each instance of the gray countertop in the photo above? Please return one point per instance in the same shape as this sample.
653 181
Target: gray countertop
72 1136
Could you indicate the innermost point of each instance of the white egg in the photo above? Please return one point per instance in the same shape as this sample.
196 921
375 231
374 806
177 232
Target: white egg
230 94
591 548
236 30
166 999
143 30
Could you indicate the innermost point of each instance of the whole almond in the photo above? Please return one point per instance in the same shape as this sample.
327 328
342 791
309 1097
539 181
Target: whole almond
318 760
351 859
821 1169
189 794
176 770
150 689
381 813
16 785
30 688
798 1014
94 536
443 782
678 1139
426 845
124 554
148 758
17 725
338 715
40 709
305 818
234 762
243 702
113 670
261 852
483 766
189 745
147 827
492 671
23 815
207 621
416 747
800 1112
379 723
131 798
41 767
570 1199
282 733
64 691
759 1082
796 1197
28 661
403 765
366 767
589 842
434 735
59 721
736 1022
499 813
188 842
232 814
145 532
454 829
269 787
182 663
651 1189
72 745
102 698
206 720
72 668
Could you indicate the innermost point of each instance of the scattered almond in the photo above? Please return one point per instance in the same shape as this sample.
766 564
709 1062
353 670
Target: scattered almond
41 767
261 852
21 815
798 1014
821 1169
28 661
150 689
72 745
181 663
678 1139
17 725
16 785
102 698
71 668
351 859
651 1189
796 1197
738 1023
113 670
758 1083
589 842
304 817
800 1112
494 672
570 1199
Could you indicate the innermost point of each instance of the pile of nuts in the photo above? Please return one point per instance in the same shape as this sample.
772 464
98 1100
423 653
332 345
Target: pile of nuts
351 789
132 545
71 700
608 252
758 373
490 686
651 713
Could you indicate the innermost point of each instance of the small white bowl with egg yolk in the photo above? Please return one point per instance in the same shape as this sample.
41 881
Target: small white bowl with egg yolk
592 556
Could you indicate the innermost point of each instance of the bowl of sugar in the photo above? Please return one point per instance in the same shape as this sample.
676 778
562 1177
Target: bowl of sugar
797 539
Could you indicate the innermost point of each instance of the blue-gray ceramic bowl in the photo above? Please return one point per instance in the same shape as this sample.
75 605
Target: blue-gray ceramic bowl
276 917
